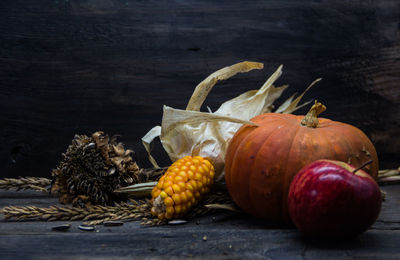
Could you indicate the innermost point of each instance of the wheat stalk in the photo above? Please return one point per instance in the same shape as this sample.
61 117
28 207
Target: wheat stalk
213 198
389 176
25 183
99 214
40 183
95 215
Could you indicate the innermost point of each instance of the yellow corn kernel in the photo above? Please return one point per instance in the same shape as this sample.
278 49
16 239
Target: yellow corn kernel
189 195
182 184
199 176
188 187
207 162
168 178
165 184
195 161
169 190
178 178
178 209
155 192
170 210
176 198
184 175
176 188
204 180
205 168
168 201
160 184
193 183
183 197
181 187
212 173
163 194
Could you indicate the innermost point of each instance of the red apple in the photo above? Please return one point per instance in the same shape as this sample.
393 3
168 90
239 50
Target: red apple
330 199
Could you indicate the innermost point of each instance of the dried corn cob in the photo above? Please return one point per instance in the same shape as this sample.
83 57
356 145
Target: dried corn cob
181 187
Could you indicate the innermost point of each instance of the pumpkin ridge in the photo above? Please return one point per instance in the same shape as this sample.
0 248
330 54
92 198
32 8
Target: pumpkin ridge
284 123
350 147
323 133
249 175
347 129
284 182
357 137
271 117
352 154
287 117
234 160
325 122
342 143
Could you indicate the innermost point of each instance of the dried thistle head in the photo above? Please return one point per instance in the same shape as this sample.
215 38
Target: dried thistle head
92 168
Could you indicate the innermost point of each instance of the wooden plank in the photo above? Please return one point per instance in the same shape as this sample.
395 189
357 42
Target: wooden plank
74 66
219 235
221 243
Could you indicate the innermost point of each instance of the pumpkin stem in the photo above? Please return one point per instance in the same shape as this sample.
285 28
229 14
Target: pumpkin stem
311 119
362 166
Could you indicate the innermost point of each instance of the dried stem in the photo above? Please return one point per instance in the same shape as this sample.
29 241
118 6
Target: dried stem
134 210
94 215
41 183
220 197
311 118
25 183
362 166
389 176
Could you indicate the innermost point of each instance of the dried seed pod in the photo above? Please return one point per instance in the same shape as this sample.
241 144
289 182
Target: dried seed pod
92 168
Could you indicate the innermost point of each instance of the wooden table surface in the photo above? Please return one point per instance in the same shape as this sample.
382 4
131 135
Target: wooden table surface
220 235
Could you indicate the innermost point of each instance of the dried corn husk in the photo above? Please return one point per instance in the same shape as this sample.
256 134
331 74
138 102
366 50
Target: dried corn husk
207 134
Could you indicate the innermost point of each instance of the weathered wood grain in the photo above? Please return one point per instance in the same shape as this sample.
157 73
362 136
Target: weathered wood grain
78 66
221 235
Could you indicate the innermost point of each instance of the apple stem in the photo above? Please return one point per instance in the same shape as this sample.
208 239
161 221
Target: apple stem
362 166
311 119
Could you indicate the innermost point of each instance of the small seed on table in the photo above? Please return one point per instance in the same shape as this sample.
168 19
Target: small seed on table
177 222
113 223
86 228
63 227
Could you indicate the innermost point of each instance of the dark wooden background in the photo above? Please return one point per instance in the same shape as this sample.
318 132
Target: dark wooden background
79 66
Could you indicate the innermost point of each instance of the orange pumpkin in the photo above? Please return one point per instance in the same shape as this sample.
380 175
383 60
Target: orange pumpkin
262 160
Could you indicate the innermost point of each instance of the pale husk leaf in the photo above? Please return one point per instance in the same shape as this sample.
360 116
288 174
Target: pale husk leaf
207 134
201 91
